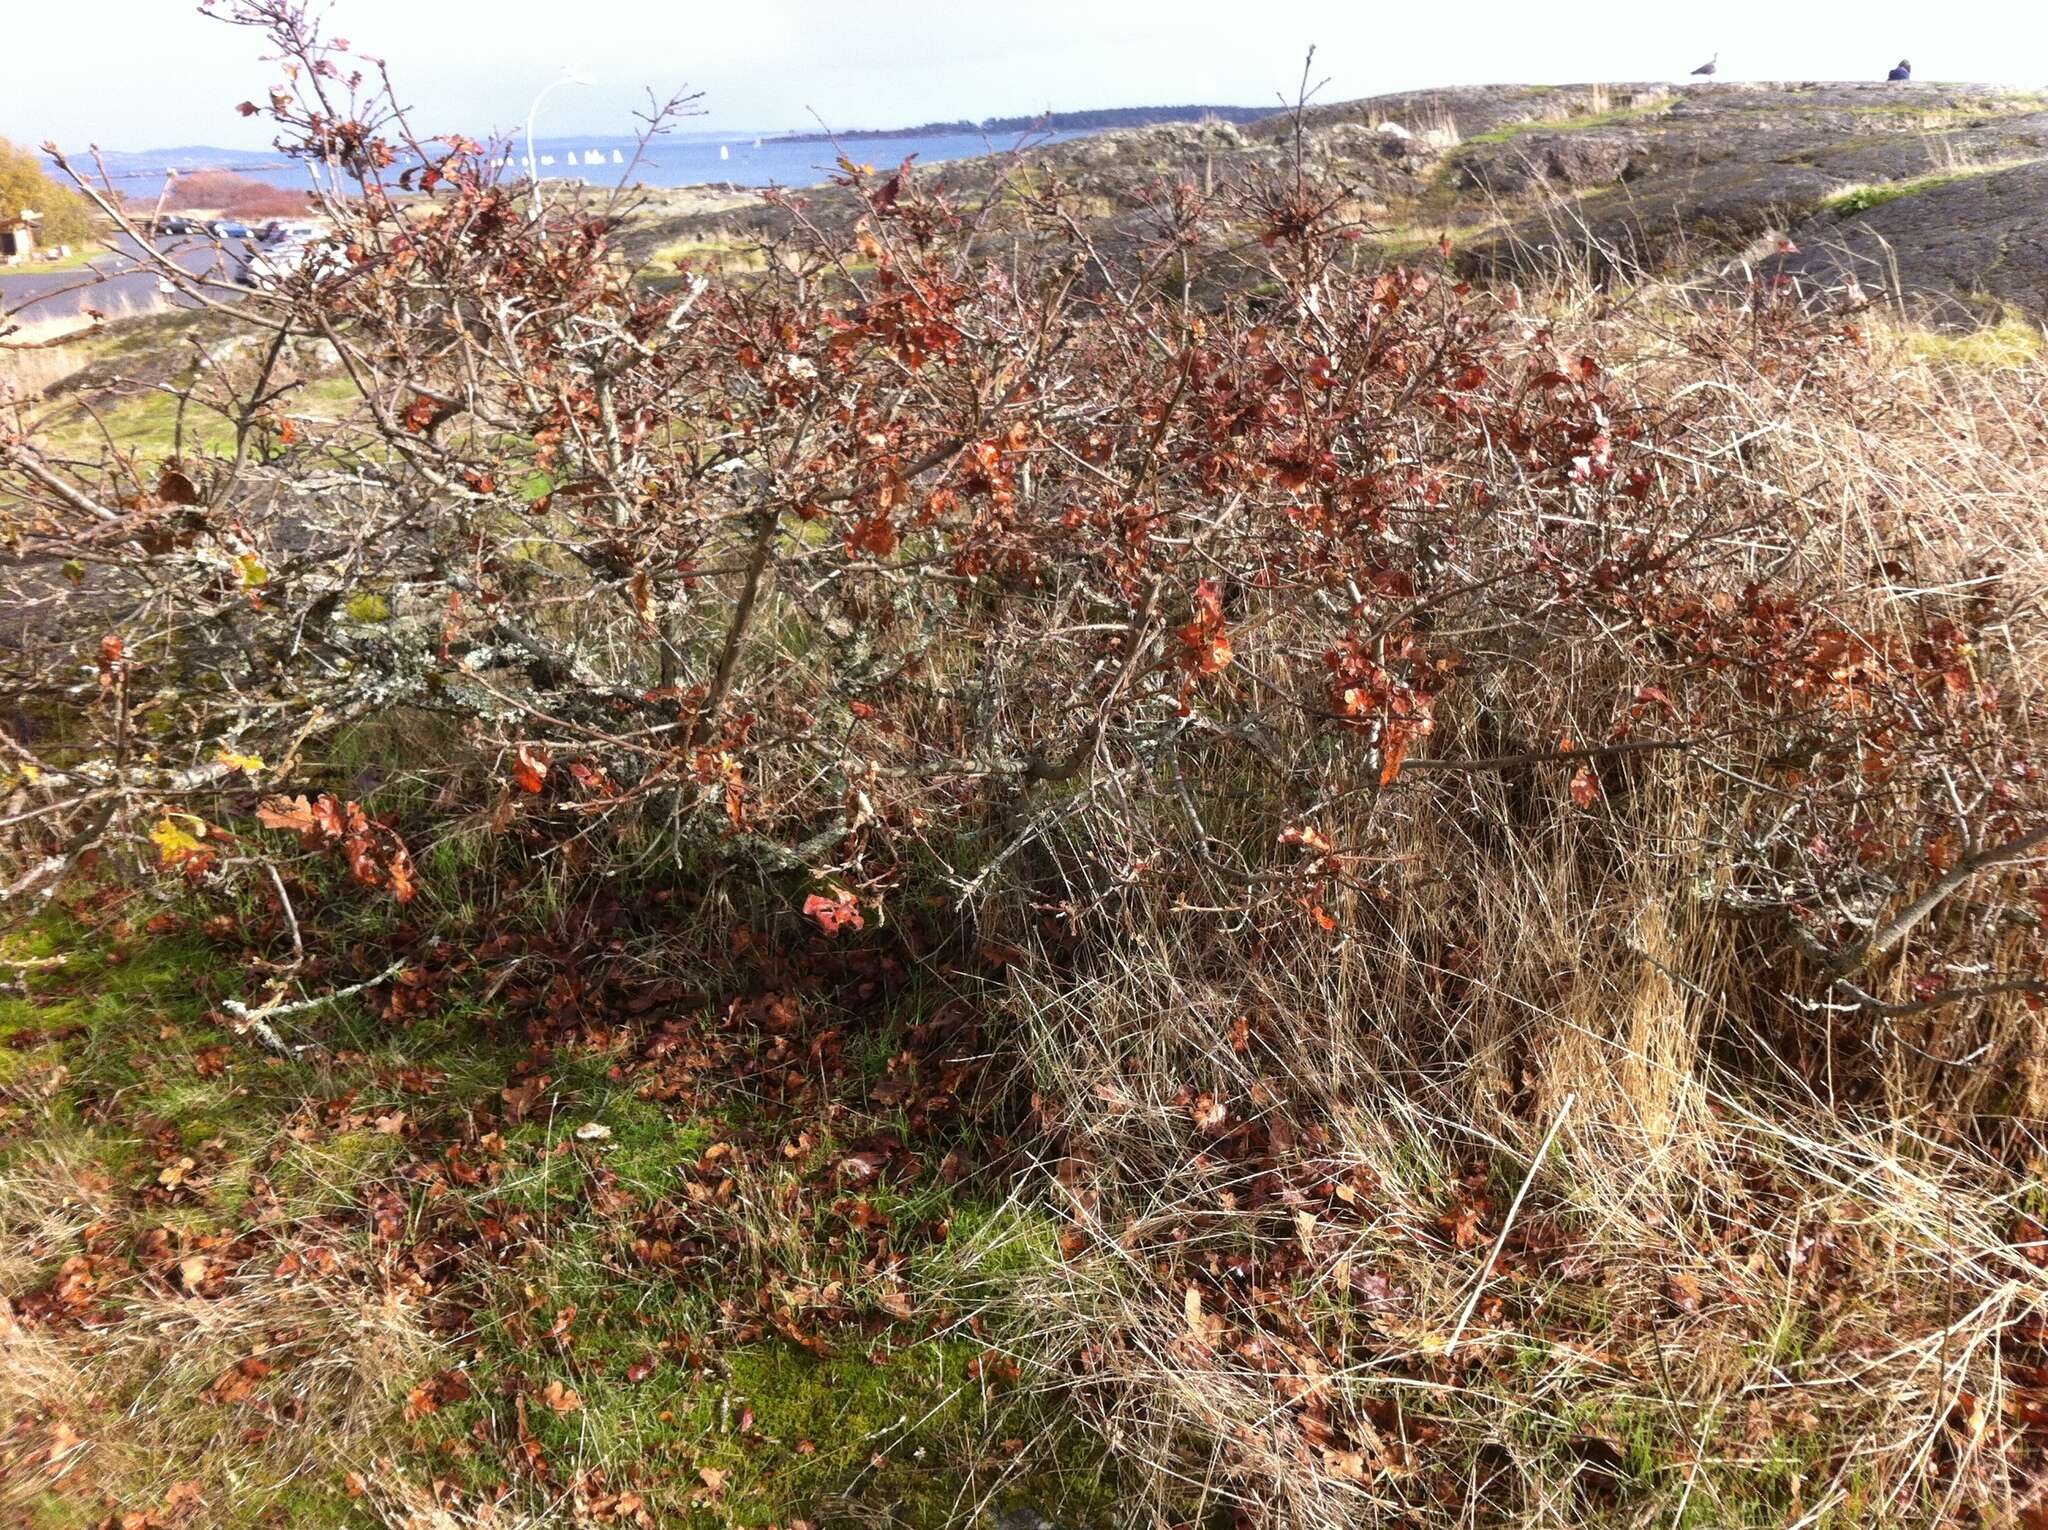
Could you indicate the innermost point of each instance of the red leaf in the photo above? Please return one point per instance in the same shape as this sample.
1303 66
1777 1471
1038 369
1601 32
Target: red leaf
113 655
874 534
834 914
530 767
293 813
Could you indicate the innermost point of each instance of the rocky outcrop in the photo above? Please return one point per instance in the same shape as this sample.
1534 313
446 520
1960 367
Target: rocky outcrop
1566 162
1928 194
1968 247
1953 228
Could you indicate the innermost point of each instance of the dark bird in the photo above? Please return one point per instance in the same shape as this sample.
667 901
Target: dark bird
1903 72
1709 66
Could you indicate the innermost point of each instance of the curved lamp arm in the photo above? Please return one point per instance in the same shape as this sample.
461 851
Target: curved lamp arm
569 77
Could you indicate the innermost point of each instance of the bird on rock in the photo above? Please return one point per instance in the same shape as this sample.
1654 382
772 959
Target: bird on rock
1709 66
1903 72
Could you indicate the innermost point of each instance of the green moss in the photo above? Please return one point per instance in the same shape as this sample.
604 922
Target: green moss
1401 243
782 1431
1513 130
304 1506
710 254
920 1432
1852 200
52 1510
368 607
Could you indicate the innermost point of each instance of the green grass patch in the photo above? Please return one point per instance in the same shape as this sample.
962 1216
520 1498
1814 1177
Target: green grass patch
77 260
2013 342
1851 200
622 1322
158 422
1574 124
709 254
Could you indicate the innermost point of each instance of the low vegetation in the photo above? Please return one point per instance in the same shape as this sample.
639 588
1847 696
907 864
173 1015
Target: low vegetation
1149 870
2011 340
1596 113
1851 200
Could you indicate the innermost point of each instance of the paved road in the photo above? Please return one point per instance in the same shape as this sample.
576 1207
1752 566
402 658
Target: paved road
117 282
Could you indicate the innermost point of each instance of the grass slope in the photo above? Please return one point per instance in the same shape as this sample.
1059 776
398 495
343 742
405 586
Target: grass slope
315 1290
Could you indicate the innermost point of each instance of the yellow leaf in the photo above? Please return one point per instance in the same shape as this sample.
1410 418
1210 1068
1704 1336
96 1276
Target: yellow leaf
252 571
234 759
173 843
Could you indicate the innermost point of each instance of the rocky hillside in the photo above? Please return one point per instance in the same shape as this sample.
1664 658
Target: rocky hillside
1936 194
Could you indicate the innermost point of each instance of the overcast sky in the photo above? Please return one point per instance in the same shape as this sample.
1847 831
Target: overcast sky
153 73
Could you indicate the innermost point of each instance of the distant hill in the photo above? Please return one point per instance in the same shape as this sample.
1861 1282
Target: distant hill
1052 122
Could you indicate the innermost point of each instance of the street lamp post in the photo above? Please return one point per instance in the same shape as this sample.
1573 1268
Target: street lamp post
569 77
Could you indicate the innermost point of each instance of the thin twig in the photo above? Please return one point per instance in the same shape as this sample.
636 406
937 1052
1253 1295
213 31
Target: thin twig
1486 1269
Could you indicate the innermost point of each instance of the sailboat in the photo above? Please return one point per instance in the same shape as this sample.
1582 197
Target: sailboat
757 143
618 158
547 159
724 152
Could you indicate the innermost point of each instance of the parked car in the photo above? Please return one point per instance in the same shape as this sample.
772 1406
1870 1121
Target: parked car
227 228
273 263
177 225
282 231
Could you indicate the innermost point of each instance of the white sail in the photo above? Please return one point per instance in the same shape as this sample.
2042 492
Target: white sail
547 159
618 158
724 152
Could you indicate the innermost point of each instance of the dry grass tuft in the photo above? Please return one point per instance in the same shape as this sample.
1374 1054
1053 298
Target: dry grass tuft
204 1380
1712 1289
1529 1190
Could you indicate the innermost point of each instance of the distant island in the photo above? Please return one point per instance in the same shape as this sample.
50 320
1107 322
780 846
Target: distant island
1051 122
